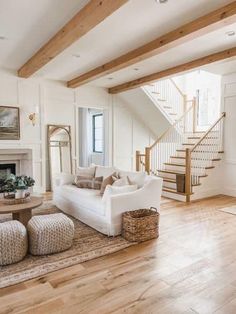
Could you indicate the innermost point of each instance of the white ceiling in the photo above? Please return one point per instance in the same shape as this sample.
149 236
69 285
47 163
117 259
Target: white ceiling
29 24
210 43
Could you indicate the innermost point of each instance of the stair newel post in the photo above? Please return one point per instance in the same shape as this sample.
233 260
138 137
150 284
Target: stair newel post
188 185
147 159
137 160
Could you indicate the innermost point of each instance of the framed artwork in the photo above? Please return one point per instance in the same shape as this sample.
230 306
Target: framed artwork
9 123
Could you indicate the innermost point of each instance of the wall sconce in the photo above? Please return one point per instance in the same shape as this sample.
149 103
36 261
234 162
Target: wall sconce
33 116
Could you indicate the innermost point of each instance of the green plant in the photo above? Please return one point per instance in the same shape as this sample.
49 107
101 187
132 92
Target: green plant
13 183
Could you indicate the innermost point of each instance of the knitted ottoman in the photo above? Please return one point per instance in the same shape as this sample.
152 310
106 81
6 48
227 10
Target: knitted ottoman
50 234
13 242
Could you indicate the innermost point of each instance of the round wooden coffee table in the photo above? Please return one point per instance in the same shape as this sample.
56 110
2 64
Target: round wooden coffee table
21 212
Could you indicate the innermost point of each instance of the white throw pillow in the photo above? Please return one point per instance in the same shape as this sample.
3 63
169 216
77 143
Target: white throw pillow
63 179
104 172
121 182
86 171
134 177
115 190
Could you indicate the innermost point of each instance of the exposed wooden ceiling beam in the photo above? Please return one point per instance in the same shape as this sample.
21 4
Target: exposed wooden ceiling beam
87 18
175 70
203 25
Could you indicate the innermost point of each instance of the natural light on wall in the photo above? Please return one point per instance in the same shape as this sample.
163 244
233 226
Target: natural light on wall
206 87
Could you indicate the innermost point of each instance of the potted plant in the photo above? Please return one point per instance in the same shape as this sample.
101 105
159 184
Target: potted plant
20 188
18 185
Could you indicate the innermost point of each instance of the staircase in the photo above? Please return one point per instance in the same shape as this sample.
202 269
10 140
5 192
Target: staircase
181 154
168 98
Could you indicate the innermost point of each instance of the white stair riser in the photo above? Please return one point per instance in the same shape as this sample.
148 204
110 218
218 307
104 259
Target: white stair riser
167 175
174 196
194 161
204 148
169 185
194 165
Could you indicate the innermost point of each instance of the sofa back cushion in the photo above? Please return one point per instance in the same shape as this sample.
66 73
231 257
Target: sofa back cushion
105 172
86 171
134 177
88 182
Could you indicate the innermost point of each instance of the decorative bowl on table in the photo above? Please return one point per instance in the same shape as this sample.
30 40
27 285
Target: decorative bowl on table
11 200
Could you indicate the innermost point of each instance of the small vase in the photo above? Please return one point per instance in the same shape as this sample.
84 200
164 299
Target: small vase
20 194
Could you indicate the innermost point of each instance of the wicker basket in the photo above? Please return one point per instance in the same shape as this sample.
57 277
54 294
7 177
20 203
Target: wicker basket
140 225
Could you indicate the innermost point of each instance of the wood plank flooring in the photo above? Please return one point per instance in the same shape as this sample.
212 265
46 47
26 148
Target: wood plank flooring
191 269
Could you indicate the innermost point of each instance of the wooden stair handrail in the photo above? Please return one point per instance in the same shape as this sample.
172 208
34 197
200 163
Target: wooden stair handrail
209 130
172 126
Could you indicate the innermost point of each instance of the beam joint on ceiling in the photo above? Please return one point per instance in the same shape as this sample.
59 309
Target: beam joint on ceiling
218 56
212 21
86 19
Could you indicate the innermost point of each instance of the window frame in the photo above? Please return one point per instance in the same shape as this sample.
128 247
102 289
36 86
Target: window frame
94 116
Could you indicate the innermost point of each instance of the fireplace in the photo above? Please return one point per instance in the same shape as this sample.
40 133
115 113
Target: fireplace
6 170
17 161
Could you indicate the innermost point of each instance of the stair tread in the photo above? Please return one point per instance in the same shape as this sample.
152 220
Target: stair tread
183 165
179 172
169 180
174 181
214 159
173 191
199 151
174 164
199 137
194 137
192 144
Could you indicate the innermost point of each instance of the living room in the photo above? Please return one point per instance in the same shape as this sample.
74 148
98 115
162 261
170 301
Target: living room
86 92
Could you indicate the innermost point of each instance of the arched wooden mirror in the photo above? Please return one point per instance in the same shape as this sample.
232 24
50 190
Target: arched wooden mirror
59 151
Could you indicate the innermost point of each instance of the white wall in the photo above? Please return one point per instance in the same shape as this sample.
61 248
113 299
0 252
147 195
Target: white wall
129 135
146 111
229 106
224 178
59 105
26 95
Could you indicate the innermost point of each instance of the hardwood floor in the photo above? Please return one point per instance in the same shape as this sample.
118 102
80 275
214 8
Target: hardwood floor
191 268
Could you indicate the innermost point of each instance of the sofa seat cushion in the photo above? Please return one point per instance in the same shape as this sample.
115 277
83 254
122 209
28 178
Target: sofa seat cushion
85 198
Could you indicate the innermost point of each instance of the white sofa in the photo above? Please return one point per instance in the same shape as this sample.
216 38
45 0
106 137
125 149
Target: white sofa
88 206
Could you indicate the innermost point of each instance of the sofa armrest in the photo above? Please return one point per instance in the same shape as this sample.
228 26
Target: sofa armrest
148 196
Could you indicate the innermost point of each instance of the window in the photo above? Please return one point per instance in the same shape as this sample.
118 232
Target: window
98 133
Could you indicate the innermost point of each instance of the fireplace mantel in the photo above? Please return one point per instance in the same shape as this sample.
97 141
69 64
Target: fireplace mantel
21 157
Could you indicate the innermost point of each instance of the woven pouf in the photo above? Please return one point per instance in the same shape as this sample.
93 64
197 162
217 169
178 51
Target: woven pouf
13 242
50 234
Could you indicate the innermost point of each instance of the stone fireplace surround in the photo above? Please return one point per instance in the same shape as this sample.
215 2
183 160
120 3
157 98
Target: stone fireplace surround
21 157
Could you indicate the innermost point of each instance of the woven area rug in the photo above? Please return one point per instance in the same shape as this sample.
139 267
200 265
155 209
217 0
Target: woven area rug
88 244
229 210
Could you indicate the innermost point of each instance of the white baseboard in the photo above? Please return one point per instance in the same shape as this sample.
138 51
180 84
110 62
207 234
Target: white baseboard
229 191
207 193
